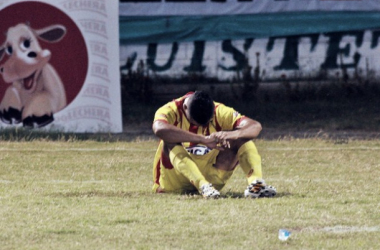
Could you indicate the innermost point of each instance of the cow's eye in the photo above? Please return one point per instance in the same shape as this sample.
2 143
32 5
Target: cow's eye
25 44
9 50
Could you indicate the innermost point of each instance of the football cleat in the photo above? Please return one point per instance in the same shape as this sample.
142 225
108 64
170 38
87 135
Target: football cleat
209 192
258 189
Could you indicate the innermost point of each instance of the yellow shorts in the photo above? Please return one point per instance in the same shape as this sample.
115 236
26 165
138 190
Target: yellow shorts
168 179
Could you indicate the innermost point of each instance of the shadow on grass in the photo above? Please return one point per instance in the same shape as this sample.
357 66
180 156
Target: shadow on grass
62 232
235 195
122 194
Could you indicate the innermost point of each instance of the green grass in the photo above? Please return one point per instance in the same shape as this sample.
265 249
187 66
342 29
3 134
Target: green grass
82 194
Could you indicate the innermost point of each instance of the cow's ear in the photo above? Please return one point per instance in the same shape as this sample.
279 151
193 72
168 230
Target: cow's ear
53 33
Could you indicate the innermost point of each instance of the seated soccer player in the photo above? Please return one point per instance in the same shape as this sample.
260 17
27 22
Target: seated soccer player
202 143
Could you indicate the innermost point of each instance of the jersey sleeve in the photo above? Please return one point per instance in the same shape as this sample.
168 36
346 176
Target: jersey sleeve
166 114
227 117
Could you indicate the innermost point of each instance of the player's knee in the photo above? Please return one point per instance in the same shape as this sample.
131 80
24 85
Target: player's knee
168 147
179 157
236 144
181 163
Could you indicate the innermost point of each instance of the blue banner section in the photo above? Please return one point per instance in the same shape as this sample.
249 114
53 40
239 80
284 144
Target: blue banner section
168 29
239 7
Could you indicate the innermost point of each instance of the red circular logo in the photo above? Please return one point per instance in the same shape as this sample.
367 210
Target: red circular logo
42 52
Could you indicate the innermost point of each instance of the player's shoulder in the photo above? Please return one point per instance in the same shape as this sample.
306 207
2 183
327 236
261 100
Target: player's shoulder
221 107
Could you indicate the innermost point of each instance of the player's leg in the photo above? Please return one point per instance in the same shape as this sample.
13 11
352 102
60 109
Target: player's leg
250 162
246 156
224 165
183 163
245 153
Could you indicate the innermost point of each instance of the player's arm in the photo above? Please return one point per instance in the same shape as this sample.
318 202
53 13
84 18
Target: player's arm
172 134
247 129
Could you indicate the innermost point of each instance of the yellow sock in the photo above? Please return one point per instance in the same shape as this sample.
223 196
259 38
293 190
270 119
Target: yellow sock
182 162
250 161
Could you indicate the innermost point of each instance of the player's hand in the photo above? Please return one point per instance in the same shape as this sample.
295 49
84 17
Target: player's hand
221 139
213 143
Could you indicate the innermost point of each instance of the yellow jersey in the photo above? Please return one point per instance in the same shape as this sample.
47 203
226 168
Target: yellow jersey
224 119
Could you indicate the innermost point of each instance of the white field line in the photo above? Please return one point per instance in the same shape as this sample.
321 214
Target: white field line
346 229
343 229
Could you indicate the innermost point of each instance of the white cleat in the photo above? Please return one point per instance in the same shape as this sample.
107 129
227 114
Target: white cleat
258 189
209 192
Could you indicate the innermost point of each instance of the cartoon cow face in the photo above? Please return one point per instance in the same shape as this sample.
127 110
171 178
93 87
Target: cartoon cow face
35 92
26 57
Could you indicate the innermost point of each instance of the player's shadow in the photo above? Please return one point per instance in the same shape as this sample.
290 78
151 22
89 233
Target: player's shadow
236 195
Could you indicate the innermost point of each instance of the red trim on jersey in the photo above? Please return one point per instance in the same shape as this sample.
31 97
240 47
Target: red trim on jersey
158 173
217 125
193 129
179 104
161 120
238 121
166 161
165 121
207 131
189 94
176 119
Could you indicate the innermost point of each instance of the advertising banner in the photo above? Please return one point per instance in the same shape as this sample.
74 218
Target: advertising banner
269 59
239 7
159 21
59 68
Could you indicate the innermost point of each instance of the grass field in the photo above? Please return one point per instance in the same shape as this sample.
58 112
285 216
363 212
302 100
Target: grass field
81 194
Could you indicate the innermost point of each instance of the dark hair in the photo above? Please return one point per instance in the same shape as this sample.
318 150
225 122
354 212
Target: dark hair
201 107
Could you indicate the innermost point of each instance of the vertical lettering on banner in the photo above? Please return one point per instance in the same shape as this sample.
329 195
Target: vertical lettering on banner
197 58
99 49
290 61
152 53
94 26
97 91
100 70
375 39
290 56
335 53
97 103
240 59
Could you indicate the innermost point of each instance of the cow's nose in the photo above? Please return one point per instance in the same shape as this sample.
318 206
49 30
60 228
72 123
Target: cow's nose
32 54
1 69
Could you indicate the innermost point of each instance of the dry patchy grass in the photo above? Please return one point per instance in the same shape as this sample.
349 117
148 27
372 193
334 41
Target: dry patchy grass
96 195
